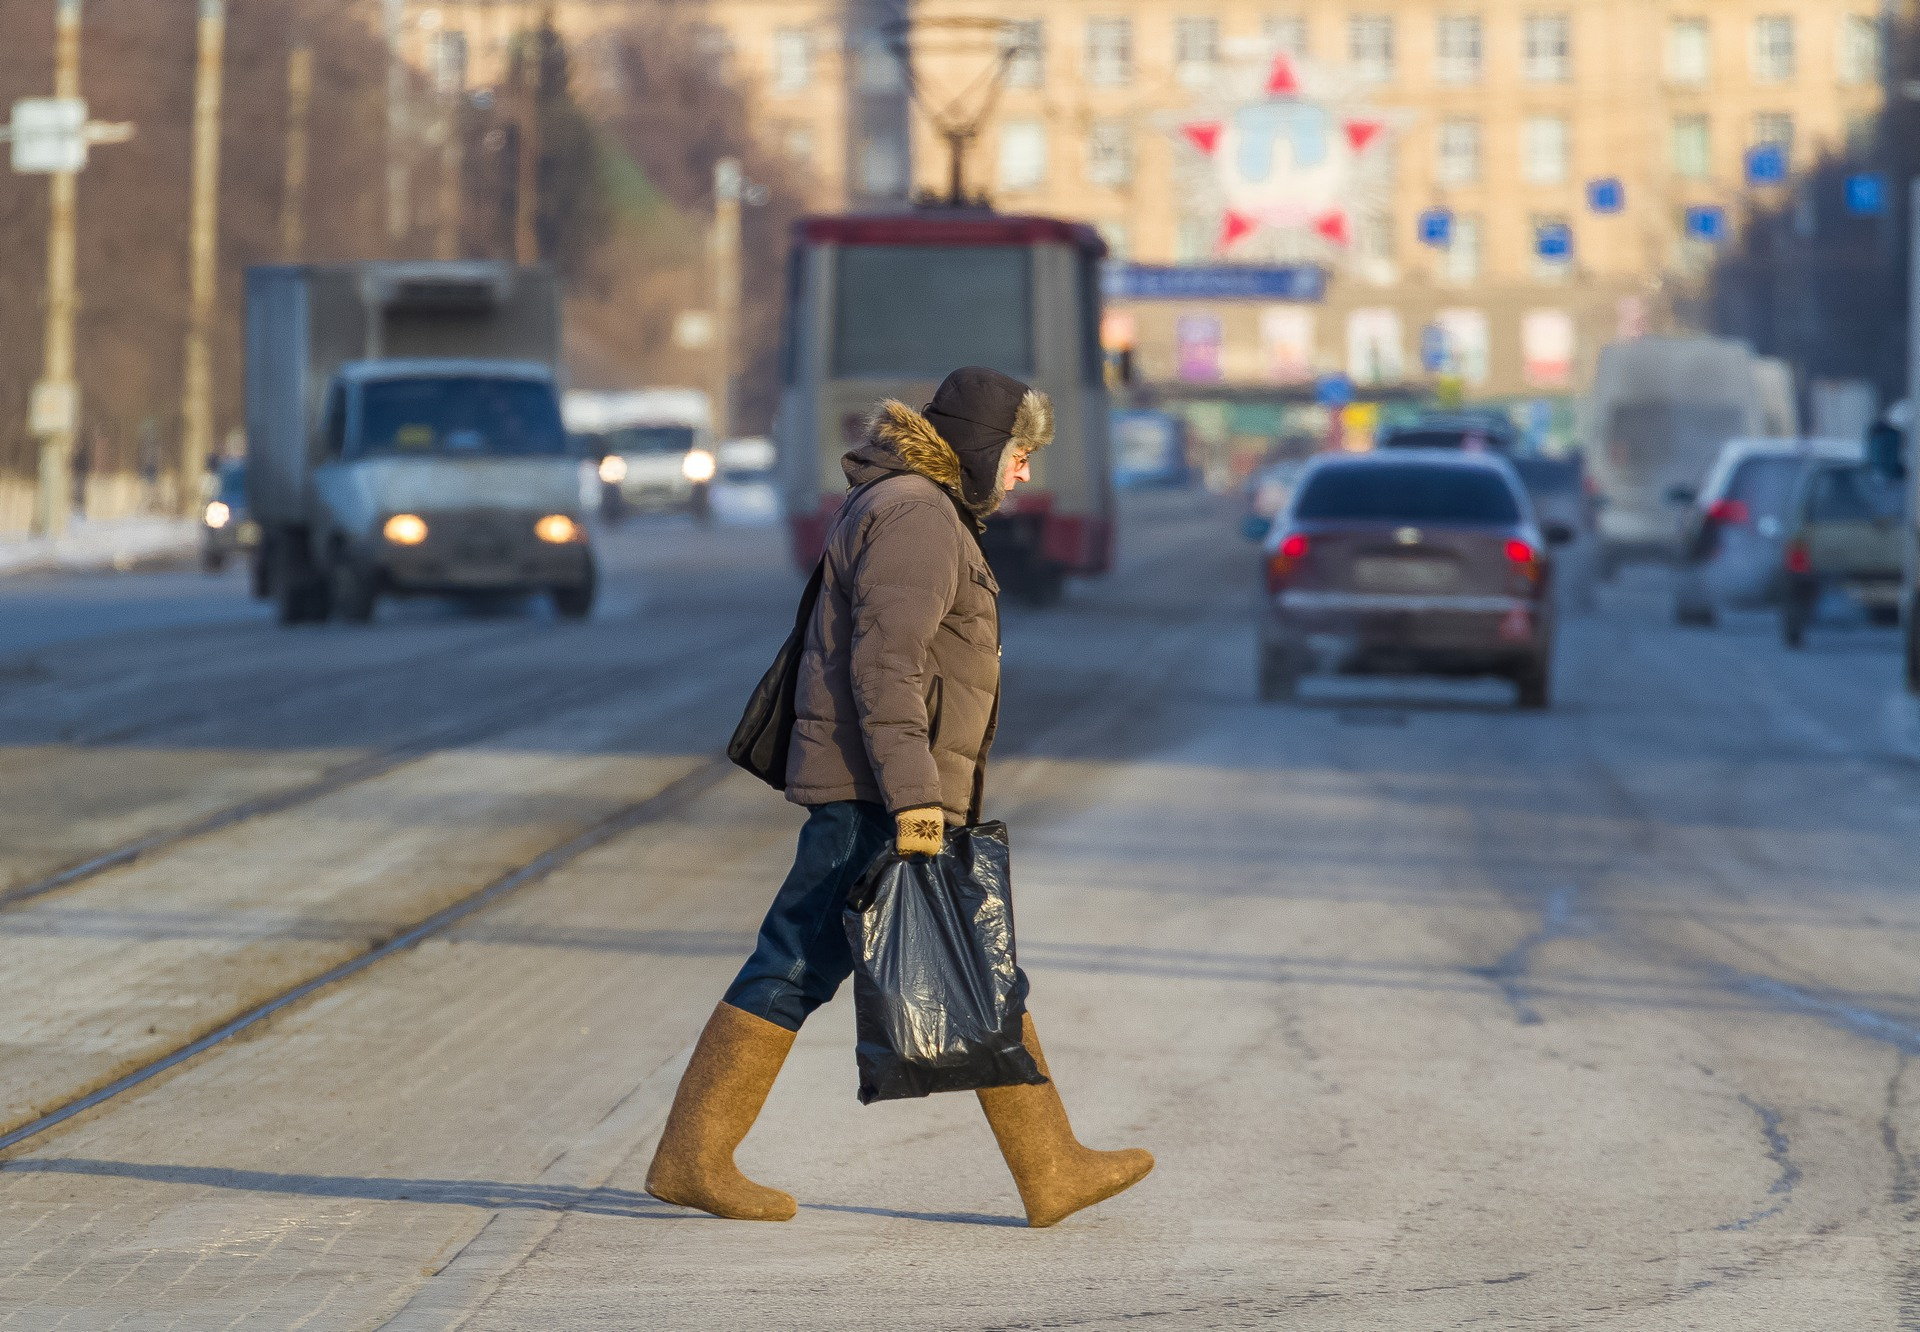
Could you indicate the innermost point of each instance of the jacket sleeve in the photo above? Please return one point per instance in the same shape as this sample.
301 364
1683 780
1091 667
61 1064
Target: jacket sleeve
905 576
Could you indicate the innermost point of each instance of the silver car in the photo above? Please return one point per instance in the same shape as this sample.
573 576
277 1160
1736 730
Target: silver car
1735 527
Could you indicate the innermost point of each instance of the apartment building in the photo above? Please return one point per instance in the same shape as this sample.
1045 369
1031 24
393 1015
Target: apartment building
1505 115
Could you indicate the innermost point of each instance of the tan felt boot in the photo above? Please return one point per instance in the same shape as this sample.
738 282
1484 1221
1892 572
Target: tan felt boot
1055 1174
726 1083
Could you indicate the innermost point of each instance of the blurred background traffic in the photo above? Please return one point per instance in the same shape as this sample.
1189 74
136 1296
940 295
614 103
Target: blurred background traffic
1657 260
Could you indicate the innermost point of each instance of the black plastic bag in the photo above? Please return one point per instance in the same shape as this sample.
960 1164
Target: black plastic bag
937 995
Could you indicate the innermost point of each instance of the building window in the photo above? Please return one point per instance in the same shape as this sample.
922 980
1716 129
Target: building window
1023 154
792 60
1025 43
1194 242
1691 148
1286 34
1544 150
1460 262
1110 52
1196 51
1375 352
1110 153
1859 49
1373 247
1774 127
1466 341
1689 55
797 143
714 45
1549 48
1457 49
1458 158
877 66
1773 48
1370 47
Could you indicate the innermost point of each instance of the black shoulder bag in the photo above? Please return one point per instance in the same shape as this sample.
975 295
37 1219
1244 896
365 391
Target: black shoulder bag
764 737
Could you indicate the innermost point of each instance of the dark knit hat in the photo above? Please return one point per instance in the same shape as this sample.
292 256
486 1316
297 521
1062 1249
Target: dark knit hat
981 413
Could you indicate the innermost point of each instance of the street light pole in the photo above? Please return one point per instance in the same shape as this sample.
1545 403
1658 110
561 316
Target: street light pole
56 399
293 194
728 185
533 72
196 407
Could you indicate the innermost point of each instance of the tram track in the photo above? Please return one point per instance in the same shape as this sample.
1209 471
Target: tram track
536 705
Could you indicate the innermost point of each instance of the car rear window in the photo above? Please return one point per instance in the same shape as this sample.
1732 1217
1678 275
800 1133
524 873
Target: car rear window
1408 493
1854 495
1549 476
1443 437
1765 485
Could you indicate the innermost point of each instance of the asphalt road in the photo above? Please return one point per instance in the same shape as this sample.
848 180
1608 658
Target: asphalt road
1436 1014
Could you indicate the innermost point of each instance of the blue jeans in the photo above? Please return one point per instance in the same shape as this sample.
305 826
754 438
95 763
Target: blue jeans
802 955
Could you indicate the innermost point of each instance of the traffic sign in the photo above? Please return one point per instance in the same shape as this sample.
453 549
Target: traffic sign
1767 164
1866 193
1334 390
1436 228
1553 241
1707 223
1606 196
1433 348
49 135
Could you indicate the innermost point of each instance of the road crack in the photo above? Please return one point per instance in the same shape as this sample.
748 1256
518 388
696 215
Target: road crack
1778 1152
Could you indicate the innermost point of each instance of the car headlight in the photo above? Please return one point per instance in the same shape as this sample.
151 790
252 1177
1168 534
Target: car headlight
613 469
556 529
405 529
218 514
698 466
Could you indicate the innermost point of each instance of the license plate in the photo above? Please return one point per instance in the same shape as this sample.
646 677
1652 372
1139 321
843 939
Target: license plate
1399 574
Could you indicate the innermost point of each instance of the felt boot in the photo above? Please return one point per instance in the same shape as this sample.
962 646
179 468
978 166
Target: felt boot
726 1082
1055 1174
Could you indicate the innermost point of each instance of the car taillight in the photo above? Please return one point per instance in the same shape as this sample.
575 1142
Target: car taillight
1292 549
1729 513
1523 557
1798 560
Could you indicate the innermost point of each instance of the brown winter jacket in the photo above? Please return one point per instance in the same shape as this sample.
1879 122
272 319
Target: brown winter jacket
900 682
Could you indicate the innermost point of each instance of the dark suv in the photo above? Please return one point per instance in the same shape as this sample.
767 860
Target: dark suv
1410 562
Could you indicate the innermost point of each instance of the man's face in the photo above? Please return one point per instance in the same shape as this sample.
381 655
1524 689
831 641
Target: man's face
1014 470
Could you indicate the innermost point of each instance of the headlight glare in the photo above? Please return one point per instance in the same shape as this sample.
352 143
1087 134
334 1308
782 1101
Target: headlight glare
698 466
613 469
556 529
405 529
218 514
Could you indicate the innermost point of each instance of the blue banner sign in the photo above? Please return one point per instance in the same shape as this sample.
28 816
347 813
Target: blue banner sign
1767 164
1867 194
1334 390
1554 241
1606 196
1433 348
1707 223
1219 282
1436 228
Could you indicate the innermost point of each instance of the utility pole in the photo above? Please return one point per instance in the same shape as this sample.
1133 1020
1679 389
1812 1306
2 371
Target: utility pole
399 204
724 244
196 407
450 75
56 399
533 69
293 192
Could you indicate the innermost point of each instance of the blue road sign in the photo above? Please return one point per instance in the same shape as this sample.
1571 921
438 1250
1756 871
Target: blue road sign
1334 390
1867 194
1708 223
1215 282
1433 348
1436 228
1553 241
1767 164
1606 196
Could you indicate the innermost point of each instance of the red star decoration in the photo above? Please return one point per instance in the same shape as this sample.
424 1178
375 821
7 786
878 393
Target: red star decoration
1281 79
1235 227
1360 133
1204 135
1333 226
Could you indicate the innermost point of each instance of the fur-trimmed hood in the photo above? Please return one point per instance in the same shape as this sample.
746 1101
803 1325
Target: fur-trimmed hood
899 439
